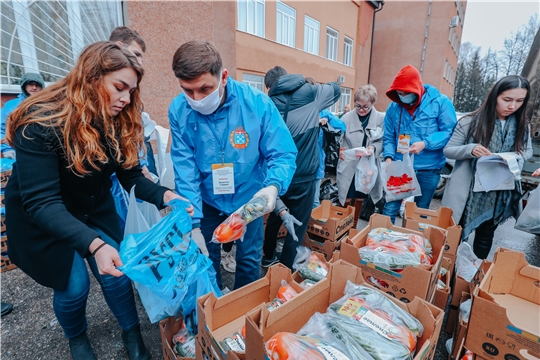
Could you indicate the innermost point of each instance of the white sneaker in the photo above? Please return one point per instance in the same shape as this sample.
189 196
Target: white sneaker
228 262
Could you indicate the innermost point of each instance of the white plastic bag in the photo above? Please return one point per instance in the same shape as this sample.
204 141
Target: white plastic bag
529 220
141 216
366 174
465 310
403 204
351 155
467 263
400 179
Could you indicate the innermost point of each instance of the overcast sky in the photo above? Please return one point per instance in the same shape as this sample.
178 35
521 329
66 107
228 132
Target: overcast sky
487 23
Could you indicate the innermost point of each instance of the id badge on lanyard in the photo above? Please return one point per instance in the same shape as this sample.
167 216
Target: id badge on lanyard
404 140
222 173
223 178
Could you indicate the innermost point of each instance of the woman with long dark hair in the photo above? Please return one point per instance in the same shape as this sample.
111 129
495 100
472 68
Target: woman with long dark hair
498 126
69 139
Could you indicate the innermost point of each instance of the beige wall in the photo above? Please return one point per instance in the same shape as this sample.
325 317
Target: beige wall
165 25
256 55
399 40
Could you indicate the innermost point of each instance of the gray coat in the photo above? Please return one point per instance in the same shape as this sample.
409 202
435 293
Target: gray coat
457 189
353 138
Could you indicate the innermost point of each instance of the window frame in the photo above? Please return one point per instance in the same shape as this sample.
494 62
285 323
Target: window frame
348 51
291 21
333 43
315 40
253 82
251 25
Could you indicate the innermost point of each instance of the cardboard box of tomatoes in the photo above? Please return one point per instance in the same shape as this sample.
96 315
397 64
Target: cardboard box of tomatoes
403 284
263 325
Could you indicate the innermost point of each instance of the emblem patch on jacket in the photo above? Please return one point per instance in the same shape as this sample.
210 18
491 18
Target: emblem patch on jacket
239 138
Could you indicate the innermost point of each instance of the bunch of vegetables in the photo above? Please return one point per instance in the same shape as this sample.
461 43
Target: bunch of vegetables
309 265
381 327
234 227
394 250
285 293
289 346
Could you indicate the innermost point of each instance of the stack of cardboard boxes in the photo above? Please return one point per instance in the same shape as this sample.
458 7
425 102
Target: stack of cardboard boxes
328 227
5 262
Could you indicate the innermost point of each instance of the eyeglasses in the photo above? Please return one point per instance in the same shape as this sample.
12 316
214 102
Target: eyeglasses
362 107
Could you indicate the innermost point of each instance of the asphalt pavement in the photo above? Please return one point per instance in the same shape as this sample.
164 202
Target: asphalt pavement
31 331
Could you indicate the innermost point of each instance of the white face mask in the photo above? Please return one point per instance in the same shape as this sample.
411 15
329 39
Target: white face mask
209 104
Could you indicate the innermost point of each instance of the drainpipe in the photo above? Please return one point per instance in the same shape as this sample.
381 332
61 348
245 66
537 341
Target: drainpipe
379 8
425 39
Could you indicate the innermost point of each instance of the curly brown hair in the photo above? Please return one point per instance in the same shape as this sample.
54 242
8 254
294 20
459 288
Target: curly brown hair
78 107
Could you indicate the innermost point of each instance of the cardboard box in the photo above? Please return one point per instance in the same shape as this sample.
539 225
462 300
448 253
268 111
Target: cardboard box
261 324
221 317
505 315
169 327
460 331
2 224
5 262
414 281
322 245
442 295
329 221
3 242
4 177
461 285
442 217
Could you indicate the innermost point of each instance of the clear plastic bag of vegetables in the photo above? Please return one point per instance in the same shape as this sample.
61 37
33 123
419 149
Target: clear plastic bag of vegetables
234 227
290 346
327 328
382 328
309 265
395 250
366 174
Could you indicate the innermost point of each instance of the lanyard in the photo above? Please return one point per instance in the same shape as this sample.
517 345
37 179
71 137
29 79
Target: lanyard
399 124
222 141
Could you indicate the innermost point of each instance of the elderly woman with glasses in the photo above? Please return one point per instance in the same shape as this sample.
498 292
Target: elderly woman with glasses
364 129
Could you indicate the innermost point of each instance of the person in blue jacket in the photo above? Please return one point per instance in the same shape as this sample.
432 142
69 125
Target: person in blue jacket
420 121
31 83
223 131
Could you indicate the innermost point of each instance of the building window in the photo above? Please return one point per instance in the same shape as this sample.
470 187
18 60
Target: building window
48 36
257 81
251 16
347 51
286 24
311 35
331 44
344 99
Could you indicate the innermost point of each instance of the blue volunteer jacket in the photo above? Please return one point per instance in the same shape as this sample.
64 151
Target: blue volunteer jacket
432 122
8 108
252 132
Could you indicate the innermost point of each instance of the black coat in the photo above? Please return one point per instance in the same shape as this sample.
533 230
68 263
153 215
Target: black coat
49 208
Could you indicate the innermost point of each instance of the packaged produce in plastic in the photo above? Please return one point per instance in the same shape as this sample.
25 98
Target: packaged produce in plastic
366 174
285 293
394 250
351 155
289 346
234 227
383 329
467 263
326 328
184 342
309 265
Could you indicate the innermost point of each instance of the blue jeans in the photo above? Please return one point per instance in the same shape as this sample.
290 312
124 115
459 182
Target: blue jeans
248 251
316 201
70 305
428 181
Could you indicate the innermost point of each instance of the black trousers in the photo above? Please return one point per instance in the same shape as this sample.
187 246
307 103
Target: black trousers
483 239
299 200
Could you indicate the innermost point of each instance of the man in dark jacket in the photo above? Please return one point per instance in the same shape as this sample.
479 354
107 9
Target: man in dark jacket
299 104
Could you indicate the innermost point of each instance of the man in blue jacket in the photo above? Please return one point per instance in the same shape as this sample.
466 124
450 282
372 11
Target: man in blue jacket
31 83
419 121
223 132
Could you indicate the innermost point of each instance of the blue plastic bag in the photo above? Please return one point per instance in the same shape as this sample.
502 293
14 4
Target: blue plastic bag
164 259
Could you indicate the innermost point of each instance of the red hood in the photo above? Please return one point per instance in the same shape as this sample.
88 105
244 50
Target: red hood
407 79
